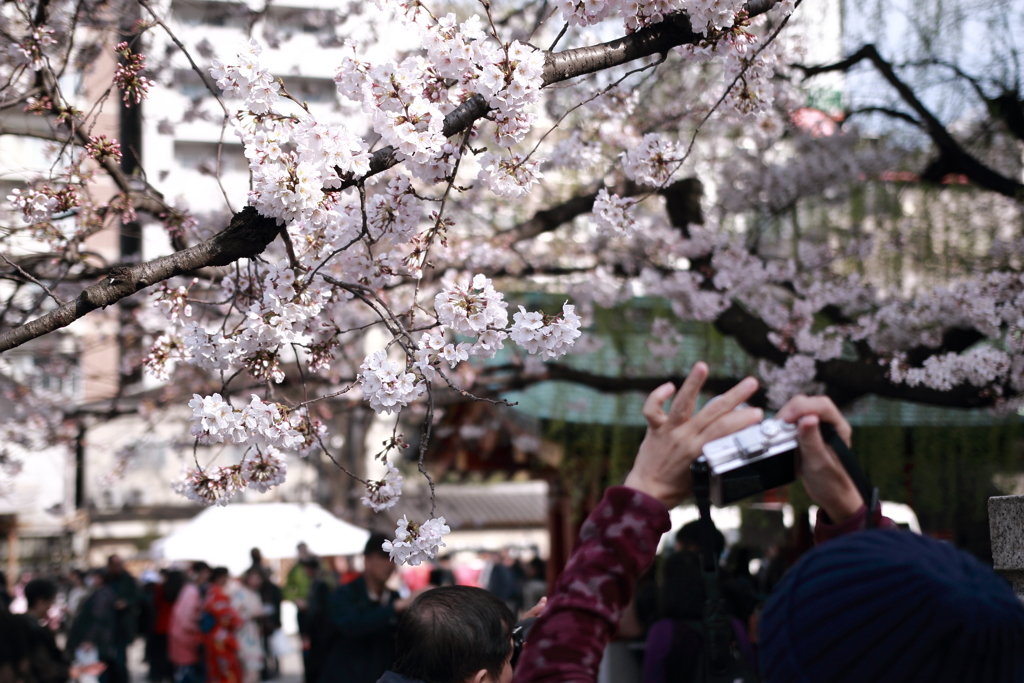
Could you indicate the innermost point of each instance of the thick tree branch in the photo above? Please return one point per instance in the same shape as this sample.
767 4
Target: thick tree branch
248 235
952 154
504 378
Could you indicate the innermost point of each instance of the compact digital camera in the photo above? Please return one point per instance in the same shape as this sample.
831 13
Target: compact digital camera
755 459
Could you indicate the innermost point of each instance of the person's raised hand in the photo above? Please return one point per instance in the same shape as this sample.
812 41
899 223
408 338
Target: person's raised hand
674 440
823 474
536 609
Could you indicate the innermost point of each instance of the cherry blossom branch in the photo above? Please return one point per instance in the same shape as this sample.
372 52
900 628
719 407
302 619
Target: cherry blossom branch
224 248
247 236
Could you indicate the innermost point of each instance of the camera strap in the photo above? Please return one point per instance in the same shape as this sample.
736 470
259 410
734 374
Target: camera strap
852 466
716 625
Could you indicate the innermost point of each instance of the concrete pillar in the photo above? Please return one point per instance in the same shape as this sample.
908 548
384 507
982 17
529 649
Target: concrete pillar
1006 528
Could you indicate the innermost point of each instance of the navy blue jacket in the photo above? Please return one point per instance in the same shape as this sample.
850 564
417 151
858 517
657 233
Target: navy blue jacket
361 635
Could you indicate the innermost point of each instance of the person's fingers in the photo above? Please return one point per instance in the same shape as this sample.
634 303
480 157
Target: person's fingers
685 401
808 435
652 411
730 423
724 403
536 609
821 406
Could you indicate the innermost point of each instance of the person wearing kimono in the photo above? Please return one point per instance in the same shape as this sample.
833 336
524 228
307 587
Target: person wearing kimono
245 598
220 623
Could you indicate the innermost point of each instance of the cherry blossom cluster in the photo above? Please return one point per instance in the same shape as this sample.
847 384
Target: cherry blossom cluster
433 348
211 486
754 93
292 158
36 206
712 16
652 161
575 153
471 308
510 177
268 424
980 367
416 543
134 87
795 377
100 148
548 336
247 79
31 50
264 469
383 494
613 214
408 101
387 385
706 16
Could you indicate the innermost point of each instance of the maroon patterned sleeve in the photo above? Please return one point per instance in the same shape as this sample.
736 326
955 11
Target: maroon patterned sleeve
825 529
617 542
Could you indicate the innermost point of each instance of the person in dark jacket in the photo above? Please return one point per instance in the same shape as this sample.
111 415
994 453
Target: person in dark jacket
95 625
362 617
454 634
14 639
314 626
47 663
127 607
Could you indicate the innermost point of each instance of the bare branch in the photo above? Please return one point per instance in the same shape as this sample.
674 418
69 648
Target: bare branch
956 158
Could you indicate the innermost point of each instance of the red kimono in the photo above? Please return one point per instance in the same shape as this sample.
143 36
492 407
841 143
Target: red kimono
222 663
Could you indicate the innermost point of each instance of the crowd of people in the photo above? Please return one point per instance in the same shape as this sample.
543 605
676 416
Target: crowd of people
882 605
197 625
200 625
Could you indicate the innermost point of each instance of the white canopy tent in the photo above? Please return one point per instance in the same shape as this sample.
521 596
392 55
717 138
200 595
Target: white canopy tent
223 536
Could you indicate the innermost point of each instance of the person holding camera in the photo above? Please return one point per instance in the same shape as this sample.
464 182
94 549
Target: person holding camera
883 606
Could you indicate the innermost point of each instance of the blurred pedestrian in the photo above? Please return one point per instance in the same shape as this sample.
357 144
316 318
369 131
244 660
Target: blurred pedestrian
221 640
315 627
442 574
245 598
296 584
257 562
77 592
13 646
5 596
126 606
362 616
270 594
535 585
95 626
47 663
184 637
504 582
164 594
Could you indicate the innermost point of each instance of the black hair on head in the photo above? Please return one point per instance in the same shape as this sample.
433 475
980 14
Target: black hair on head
219 573
450 633
200 566
689 534
40 589
374 544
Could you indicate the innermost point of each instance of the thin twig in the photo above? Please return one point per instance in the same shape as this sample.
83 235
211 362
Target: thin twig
558 37
31 278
